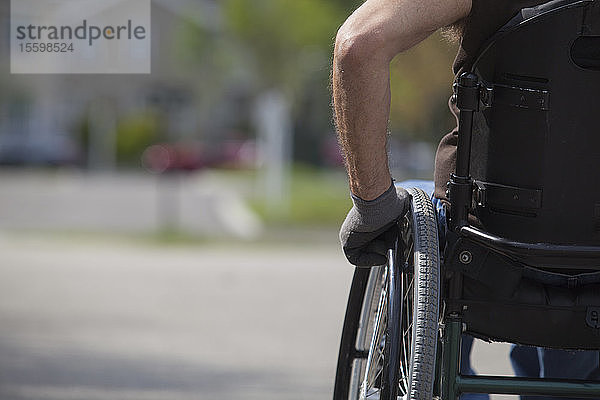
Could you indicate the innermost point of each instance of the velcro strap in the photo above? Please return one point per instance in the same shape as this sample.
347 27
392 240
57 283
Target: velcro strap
503 196
514 96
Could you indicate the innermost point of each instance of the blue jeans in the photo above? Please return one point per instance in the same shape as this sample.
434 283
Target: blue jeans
536 362
532 362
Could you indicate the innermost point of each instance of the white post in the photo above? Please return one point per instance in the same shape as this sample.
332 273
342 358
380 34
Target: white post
274 132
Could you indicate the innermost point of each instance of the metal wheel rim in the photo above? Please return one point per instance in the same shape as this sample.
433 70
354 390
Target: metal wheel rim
407 275
374 367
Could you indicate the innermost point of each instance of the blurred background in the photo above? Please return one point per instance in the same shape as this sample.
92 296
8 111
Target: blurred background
235 115
174 235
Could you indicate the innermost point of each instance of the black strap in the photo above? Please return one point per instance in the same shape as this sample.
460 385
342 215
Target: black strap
503 196
514 96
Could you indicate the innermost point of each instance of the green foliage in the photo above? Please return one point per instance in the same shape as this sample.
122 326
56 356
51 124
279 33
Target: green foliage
288 44
288 39
317 198
291 40
134 134
421 81
212 53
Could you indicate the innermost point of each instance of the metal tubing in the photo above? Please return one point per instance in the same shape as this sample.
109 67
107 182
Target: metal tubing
393 330
531 249
451 359
464 143
528 386
460 185
437 378
467 102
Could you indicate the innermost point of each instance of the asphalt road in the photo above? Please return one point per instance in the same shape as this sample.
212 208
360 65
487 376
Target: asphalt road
112 319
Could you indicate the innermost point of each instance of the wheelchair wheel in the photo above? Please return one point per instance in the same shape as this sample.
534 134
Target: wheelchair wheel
390 334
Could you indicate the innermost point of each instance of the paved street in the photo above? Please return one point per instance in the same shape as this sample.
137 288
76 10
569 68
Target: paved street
83 319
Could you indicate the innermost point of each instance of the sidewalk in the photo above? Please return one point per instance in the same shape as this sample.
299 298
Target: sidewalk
124 202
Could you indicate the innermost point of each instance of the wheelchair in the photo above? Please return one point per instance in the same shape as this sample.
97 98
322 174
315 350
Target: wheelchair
520 262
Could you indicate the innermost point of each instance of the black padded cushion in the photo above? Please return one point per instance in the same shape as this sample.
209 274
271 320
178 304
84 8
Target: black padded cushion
505 300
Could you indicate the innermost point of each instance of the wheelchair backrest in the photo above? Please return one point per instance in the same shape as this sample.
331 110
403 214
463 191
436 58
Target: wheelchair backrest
536 138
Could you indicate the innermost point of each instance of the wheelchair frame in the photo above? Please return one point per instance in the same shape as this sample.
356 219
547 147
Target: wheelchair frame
463 191
460 191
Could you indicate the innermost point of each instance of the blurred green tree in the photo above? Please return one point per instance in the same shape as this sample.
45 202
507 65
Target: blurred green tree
421 81
288 39
135 132
288 44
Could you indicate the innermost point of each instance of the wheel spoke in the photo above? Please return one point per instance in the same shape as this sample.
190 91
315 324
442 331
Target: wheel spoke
375 358
405 344
407 325
404 368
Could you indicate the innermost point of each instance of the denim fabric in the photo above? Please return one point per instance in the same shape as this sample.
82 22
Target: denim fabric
536 362
526 361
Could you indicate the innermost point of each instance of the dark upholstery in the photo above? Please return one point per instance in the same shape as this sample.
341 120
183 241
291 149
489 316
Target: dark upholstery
536 162
506 300
542 130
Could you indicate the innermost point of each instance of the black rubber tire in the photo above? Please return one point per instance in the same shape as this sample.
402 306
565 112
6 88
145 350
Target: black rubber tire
364 348
412 274
426 296
351 352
